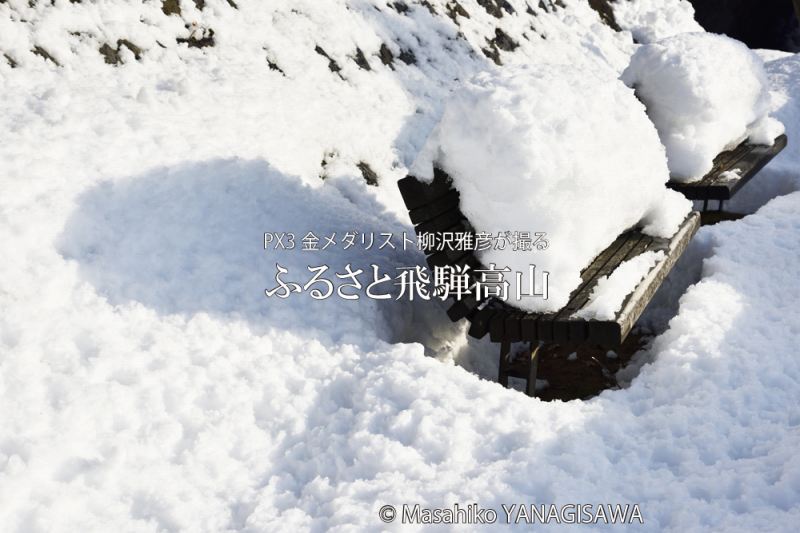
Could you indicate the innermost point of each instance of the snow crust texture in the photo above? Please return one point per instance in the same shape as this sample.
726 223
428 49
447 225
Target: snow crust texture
652 20
705 93
528 151
147 385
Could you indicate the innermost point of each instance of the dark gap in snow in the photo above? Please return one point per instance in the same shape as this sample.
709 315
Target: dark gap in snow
369 175
199 4
10 60
333 66
171 7
400 7
206 39
455 10
360 60
552 5
386 55
233 4
496 7
274 66
603 8
111 55
407 56
491 7
41 52
429 7
501 41
529 10
493 54
583 372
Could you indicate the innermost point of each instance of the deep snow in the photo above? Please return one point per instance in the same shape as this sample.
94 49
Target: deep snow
147 384
652 20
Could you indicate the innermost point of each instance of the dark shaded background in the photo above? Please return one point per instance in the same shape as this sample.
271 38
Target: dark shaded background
758 23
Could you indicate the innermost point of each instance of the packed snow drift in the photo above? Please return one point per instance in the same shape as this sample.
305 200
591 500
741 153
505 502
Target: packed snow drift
651 20
705 93
529 152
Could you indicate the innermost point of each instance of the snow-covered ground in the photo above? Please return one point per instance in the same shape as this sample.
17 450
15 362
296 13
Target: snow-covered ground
146 382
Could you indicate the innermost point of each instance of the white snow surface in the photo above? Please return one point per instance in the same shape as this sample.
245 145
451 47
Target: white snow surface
780 176
652 20
147 385
705 93
529 152
608 296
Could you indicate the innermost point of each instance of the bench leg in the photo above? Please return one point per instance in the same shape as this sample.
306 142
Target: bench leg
533 362
502 374
526 367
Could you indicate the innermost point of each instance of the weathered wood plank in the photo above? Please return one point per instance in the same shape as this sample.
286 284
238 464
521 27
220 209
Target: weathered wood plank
512 326
631 243
480 322
464 308
529 326
440 223
443 258
508 324
613 333
748 158
417 193
497 327
435 208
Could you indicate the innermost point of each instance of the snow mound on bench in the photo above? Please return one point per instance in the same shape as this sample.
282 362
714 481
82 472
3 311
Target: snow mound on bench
651 20
530 152
705 93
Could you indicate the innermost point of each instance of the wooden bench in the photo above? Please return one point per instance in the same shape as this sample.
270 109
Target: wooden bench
732 170
434 208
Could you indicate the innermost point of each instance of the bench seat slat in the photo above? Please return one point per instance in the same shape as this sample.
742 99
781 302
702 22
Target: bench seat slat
748 158
632 242
435 208
440 223
463 308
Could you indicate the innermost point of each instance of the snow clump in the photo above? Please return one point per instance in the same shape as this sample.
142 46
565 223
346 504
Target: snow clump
651 20
705 93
